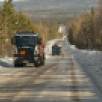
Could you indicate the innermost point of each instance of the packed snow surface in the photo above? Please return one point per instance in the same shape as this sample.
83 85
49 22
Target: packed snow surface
88 57
90 61
6 62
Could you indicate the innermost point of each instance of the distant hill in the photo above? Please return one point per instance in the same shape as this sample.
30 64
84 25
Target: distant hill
55 4
43 9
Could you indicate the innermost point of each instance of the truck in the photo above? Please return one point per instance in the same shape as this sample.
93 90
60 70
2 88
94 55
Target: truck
28 48
56 50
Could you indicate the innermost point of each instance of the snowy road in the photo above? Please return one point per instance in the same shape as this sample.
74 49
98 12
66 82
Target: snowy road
62 79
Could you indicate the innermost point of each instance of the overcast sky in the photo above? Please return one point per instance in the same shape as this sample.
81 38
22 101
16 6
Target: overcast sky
55 4
13 0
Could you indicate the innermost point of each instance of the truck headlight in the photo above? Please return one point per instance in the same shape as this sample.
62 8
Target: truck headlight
35 52
37 49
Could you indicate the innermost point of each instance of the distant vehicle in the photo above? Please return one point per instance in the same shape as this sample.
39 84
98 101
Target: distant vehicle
28 48
56 50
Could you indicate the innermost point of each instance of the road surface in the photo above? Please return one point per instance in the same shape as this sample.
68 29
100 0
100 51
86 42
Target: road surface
60 80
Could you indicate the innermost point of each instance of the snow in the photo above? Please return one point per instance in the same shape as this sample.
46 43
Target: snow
6 62
89 61
91 58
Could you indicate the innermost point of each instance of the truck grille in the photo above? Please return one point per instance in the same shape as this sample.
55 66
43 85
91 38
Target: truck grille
27 53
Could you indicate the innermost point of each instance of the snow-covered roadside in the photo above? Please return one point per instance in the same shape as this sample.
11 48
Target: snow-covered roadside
90 61
6 62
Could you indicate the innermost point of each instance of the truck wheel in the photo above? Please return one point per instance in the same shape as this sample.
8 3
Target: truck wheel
58 54
40 61
43 60
36 64
53 54
43 63
16 64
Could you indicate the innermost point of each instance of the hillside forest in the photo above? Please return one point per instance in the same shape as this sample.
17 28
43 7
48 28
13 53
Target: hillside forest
86 31
12 21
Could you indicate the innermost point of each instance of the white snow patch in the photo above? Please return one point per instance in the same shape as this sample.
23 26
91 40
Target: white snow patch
7 60
91 61
88 57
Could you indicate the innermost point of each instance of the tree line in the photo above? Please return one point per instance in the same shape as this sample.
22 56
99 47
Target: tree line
12 21
86 31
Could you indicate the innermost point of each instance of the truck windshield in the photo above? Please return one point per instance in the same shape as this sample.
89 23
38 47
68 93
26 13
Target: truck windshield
26 41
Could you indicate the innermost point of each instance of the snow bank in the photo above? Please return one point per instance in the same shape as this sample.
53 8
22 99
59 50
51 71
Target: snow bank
6 62
91 58
90 61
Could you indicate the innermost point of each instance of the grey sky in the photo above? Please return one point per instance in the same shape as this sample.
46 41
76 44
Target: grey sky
13 0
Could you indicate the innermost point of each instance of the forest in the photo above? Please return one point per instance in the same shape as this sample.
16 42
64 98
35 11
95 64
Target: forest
86 31
12 21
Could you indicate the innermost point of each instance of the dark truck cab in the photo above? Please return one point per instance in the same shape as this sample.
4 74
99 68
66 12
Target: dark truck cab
56 50
28 48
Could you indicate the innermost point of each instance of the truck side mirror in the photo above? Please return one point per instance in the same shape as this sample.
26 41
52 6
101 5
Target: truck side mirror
39 42
13 40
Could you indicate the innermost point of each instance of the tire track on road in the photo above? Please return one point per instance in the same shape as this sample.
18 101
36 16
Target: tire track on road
75 98
28 78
